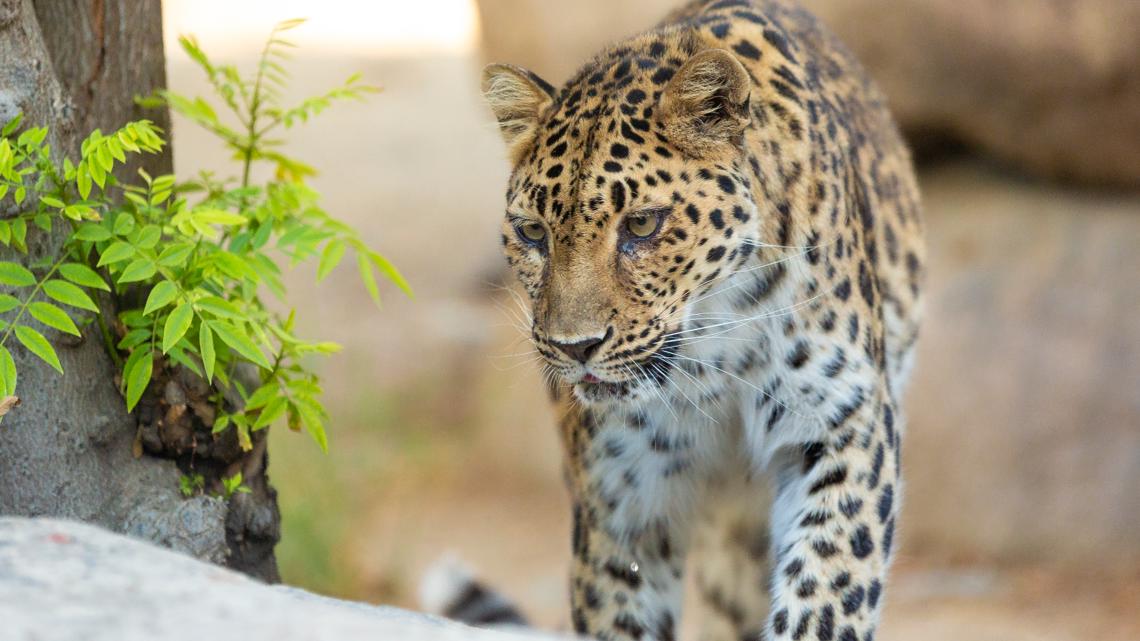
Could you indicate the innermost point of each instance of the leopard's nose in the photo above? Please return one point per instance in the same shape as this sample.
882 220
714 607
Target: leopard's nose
581 350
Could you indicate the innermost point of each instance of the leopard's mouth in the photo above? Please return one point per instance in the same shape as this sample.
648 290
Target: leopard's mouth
591 389
650 372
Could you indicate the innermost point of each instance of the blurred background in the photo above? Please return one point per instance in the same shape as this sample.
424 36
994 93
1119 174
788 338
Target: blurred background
1023 453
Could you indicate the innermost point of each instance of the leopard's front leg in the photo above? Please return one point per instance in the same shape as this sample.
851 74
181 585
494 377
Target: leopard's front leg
633 482
833 527
624 589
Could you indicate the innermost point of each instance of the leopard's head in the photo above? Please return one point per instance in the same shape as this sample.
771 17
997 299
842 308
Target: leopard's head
629 196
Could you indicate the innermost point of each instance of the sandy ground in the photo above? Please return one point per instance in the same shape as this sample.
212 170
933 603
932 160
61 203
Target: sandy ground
440 436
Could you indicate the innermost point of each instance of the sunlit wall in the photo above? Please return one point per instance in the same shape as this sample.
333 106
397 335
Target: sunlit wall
390 27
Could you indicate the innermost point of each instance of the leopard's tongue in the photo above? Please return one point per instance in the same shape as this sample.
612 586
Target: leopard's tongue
590 378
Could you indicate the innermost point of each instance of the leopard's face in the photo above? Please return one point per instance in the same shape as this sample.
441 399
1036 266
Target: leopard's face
614 227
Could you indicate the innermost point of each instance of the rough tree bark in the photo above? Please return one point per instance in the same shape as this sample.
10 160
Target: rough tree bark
69 449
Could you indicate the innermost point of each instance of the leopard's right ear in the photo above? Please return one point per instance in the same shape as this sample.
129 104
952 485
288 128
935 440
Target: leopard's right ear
517 97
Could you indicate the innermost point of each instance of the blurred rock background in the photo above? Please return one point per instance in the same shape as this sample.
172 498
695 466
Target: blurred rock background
1023 501
1050 87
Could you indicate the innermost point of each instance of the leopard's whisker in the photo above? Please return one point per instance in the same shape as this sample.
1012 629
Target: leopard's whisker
776 313
669 380
746 382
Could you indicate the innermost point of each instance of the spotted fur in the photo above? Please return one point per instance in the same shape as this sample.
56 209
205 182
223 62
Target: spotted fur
729 385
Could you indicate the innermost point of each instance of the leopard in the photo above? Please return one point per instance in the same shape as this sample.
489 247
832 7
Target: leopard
718 229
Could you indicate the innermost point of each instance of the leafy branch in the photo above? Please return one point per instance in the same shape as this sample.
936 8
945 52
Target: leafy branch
204 251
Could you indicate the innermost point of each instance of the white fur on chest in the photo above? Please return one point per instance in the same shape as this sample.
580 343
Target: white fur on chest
744 349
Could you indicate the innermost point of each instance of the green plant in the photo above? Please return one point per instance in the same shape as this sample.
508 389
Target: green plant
203 252
191 484
233 485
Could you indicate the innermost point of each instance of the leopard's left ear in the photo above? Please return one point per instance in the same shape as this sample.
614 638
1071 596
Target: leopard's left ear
517 97
705 105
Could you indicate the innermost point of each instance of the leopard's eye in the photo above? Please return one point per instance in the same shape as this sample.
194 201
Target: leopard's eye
642 225
532 231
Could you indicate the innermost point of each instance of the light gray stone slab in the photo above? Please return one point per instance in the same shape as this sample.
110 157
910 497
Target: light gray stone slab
67 581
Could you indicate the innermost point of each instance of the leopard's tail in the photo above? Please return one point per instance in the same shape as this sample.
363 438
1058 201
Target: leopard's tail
450 589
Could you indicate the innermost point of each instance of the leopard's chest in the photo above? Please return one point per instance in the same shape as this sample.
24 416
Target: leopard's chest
754 354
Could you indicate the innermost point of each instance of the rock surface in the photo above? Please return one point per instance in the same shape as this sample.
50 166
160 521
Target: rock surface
1050 86
62 580
1023 442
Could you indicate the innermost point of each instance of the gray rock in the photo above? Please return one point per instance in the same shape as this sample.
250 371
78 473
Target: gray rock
63 580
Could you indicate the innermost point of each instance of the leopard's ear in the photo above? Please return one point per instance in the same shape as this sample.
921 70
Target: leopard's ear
517 98
705 105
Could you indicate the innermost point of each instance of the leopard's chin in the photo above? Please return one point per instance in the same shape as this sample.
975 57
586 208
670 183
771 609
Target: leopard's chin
602 391
608 393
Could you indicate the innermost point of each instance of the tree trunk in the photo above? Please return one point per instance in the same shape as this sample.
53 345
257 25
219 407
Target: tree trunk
70 449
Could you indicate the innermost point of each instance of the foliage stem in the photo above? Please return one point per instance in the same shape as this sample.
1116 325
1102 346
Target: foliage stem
109 341
31 297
